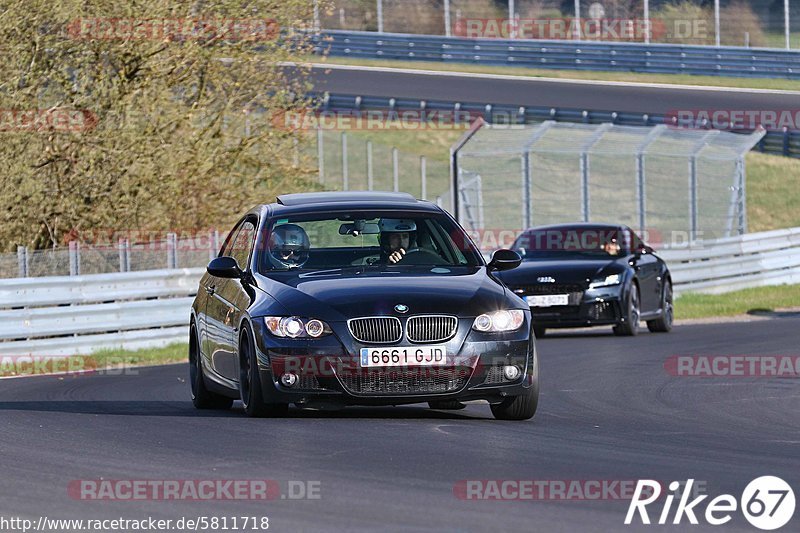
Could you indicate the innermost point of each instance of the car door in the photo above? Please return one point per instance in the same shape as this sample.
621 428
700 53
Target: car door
235 300
218 341
647 269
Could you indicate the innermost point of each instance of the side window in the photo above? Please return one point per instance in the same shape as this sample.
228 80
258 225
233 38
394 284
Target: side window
243 243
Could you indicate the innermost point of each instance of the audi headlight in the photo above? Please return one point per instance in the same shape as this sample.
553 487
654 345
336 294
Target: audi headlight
296 327
506 320
613 279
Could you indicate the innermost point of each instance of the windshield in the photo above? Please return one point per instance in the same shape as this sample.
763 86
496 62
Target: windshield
570 243
389 239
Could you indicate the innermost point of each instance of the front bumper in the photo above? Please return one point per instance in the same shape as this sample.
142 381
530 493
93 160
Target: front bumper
329 373
590 307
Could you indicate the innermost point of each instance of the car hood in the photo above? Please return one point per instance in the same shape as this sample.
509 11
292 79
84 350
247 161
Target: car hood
339 297
569 272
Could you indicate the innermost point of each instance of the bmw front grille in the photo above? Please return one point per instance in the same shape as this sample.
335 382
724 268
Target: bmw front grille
376 329
389 329
431 328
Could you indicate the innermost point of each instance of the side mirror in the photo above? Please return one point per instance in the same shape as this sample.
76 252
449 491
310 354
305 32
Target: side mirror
224 267
505 260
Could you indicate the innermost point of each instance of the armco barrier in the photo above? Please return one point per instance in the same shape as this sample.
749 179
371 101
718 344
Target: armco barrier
785 143
66 315
80 314
572 55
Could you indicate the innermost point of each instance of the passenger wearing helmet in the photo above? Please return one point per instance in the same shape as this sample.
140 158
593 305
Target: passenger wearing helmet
288 246
396 238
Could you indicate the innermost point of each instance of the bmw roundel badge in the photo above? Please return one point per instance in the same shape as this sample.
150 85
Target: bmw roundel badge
401 308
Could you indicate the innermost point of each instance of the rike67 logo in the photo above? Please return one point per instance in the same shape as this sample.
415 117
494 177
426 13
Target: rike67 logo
767 503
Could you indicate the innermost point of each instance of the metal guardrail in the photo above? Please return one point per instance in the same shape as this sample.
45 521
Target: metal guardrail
785 143
733 263
68 315
571 55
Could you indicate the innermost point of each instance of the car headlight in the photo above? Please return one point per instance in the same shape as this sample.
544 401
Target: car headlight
295 327
506 320
613 279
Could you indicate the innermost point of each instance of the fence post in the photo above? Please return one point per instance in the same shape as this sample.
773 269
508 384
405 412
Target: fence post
447 18
74 258
585 186
317 25
577 20
370 176
172 250
22 261
692 198
345 164
646 21
641 191
124 255
526 190
423 175
380 16
213 241
395 169
742 196
787 28
320 155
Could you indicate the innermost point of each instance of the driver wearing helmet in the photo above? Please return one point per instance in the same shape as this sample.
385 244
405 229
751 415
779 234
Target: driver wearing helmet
288 246
396 238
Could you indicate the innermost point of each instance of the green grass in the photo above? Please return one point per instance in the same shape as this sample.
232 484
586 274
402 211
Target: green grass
104 359
693 305
773 192
674 79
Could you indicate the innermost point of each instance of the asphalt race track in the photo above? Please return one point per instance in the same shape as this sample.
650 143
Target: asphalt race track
608 411
601 96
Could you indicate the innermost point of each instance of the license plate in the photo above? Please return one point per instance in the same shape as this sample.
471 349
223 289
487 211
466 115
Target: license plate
403 356
547 300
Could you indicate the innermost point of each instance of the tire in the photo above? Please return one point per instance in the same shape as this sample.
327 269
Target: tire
663 324
447 405
250 390
630 327
539 331
521 407
202 398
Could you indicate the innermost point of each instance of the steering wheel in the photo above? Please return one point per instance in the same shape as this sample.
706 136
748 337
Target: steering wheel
420 256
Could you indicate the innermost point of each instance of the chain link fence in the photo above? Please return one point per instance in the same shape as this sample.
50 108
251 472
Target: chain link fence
754 23
661 181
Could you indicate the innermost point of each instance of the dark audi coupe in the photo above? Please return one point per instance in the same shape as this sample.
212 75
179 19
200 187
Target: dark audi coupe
577 275
324 300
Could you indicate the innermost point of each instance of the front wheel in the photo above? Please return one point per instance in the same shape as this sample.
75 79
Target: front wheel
521 407
202 398
250 382
630 326
663 324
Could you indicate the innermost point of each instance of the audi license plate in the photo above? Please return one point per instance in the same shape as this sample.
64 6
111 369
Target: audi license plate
547 300
403 356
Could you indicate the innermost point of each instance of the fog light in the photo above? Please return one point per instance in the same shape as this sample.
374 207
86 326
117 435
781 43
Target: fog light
510 372
289 380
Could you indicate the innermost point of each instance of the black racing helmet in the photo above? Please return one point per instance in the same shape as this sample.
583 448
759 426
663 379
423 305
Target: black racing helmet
288 246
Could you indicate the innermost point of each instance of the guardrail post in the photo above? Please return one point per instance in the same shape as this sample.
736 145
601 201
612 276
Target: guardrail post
124 255
172 250
22 261
395 169
345 164
74 258
370 176
423 176
786 144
